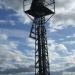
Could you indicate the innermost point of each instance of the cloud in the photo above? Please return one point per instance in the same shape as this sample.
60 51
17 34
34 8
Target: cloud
0 7
53 56
53 46
70 36
61 47
64 16
23 17
2 21
3 37
71 61
15 4
69 42
11 57
31 42
14 33
12 22
59 56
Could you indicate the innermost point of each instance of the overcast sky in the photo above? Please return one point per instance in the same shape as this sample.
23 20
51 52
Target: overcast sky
17 49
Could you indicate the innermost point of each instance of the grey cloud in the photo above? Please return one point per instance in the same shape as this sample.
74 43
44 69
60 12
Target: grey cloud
15 4
11 58
62 3
19 70
65 14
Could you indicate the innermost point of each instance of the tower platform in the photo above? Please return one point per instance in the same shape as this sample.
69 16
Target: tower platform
39 11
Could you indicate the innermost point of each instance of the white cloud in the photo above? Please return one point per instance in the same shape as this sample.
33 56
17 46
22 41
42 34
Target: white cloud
12 22
70 36
61 47
59 56
71 59
23 17
2 21
10 58
69 42
13 45
53 46
15 4
64 16
0 7
31 42
15 33
3 37
53 56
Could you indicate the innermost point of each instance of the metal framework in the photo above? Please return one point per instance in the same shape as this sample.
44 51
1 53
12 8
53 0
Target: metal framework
38 32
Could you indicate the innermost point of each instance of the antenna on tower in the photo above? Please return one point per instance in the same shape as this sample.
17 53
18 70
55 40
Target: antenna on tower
40 11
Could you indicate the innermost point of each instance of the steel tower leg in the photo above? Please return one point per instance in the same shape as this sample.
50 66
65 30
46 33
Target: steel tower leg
38 32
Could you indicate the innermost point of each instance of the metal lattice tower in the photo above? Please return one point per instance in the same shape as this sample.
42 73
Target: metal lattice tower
41 50
38 33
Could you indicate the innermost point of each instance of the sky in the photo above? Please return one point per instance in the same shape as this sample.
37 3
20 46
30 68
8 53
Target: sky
17 49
